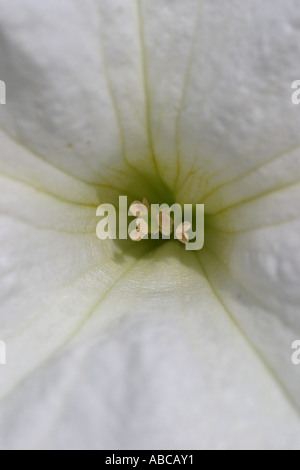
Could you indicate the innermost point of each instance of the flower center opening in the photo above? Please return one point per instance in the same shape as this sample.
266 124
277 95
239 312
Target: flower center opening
147 212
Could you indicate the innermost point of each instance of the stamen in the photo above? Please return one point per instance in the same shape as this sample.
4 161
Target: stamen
165 223
140 232
138 208
181 232
146 203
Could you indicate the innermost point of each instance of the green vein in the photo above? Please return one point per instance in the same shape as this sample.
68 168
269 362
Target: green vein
146 85
74 333
253 170
45 192
256 197
256 351
251 294
253 228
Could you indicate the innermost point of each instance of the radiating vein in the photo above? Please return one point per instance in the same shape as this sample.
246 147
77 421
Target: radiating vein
256 351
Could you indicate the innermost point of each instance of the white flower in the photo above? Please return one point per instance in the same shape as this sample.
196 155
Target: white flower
133 345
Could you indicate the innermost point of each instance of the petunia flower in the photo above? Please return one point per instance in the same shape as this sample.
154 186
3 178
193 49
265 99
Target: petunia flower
123 345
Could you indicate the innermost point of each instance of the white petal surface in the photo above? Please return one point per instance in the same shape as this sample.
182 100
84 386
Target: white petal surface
112 345
158 378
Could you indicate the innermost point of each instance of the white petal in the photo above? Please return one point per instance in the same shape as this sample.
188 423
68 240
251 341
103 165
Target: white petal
228 137
180 375
75 96
109 348
221 108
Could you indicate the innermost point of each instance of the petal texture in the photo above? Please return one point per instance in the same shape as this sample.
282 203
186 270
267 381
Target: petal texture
116 345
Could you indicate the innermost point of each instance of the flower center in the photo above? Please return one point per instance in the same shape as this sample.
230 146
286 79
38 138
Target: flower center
153 216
